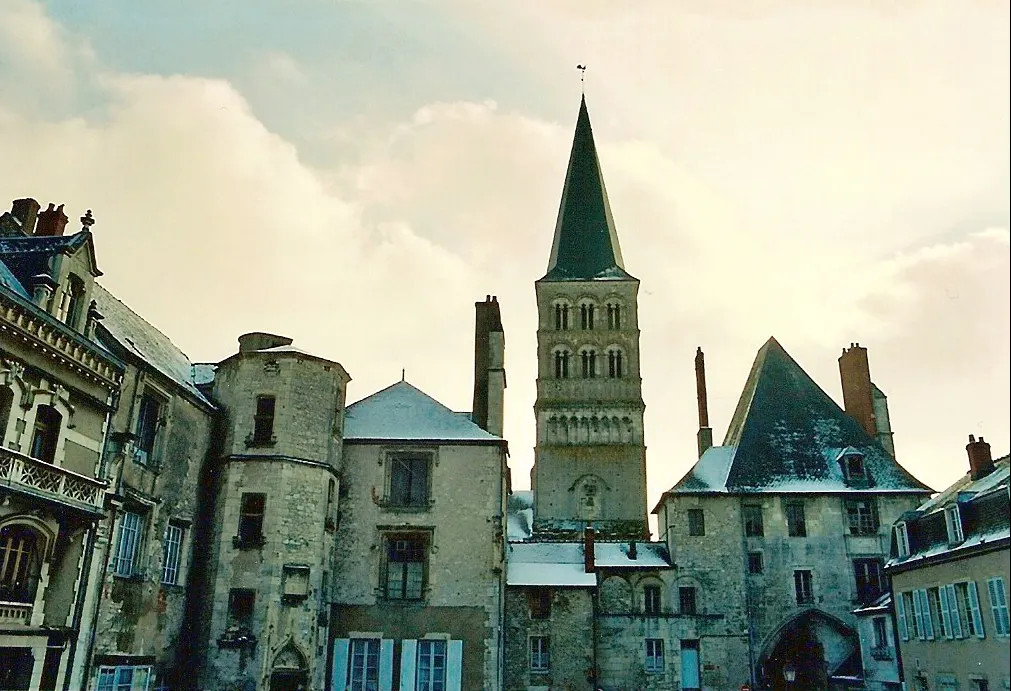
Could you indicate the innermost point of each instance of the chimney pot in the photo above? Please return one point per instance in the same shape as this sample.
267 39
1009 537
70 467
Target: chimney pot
980 460
26 211
51 222
589 558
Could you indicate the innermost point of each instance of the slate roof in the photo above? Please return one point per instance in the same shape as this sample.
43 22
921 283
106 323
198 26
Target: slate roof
563 563
136 336
585 245
787 435
403 412
11 282
28 255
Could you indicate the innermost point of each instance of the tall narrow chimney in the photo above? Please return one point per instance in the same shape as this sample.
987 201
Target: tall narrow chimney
51 222
488 407
26 211
858 399
980 460
705 435
589 559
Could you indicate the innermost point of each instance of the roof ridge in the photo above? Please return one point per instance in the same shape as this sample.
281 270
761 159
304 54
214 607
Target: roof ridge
153 327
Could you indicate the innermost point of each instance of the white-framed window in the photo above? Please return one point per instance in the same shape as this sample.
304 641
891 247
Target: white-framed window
363 667
131 530
172 549
998 605
957 617
652 599
968 601
431 665
406 564
540 656
953 522
654 656
921 611
902 539
124 678
904 614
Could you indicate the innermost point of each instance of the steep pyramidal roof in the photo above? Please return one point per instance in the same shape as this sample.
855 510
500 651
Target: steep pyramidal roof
586 244
787 435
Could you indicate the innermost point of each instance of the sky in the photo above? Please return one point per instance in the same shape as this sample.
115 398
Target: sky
355 174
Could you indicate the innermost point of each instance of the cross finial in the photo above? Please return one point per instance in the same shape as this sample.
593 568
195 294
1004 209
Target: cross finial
403 374
582 76
87 220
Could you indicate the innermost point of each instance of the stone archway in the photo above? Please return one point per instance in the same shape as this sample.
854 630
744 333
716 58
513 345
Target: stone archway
813 643
289 672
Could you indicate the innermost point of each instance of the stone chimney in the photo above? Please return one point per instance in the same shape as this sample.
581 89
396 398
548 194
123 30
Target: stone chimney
858 398
51 222
25 211
705 435
488 407
259 340
980 460
589 558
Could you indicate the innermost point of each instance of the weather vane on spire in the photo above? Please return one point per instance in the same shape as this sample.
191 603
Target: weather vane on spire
582 76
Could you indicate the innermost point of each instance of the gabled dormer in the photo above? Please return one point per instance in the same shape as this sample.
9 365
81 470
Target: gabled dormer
853 465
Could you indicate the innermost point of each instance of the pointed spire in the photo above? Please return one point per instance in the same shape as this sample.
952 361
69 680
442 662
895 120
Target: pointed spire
586 243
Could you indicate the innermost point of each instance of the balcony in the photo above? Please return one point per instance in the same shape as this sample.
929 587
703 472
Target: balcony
48 482
883 652
15 613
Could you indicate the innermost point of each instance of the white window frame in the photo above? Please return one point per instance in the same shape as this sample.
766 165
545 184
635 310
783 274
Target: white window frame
998 605
956 617
111 678
969 597
128 543
654 656
361 651
902 616
902 539
172 551
429 652
540 654
953 523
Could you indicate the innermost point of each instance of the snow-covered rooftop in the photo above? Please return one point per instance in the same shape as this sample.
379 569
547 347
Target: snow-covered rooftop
403 412
520 515
648 555
548 563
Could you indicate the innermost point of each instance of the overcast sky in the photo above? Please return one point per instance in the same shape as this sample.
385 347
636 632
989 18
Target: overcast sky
356 173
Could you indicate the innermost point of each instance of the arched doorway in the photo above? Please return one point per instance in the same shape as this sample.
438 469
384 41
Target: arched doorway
808 647
289 672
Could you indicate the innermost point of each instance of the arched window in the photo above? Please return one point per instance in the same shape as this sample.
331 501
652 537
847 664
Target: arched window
586 316
562 364
589 358
46 433
20 563
613 316
561 317
615 364
6 406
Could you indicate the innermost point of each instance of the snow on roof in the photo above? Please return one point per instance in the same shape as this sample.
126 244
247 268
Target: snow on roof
287 349
144 341
649 555
520 515
1000 533
203 373
548 563
709 474
998 477
882 604
404 412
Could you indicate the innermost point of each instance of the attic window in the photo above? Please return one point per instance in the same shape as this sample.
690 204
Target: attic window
953 522
854 470
902 539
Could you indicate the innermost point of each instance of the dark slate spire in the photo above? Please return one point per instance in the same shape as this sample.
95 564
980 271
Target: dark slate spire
586 244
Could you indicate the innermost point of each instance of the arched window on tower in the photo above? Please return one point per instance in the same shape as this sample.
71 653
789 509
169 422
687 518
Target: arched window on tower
46 433
20 563
561 364
613 316
586 316
615 364
561 317
589 358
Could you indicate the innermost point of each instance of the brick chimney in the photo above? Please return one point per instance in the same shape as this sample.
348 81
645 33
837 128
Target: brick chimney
980 460
488 407
858 398
588 551
51 222
705 434
25 211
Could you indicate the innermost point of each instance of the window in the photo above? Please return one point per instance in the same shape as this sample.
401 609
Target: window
862 516
998 605
20 563
363 672
171 554
796 526
613 316
654 656
937 613
968 601
431 665
880 629
687 599
405 567
904 615
586 316
651 599
73 302
803 587
409 481
755 564
869 579
123 678
696 522
540 603
46 433
615 366
753 526
589 358
252 508
854 470
240 608
540 658
921 614
949 605
902 539
263 420
295 582
148 421
953 523
6 405
131 528
561 317
562 364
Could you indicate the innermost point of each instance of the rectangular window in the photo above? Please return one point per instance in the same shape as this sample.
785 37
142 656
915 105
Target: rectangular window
540 603
263 420
755 562
252 508
753 526
969 602
409 481
654 656
131 530
953 523
171 554
295 582
696 522
856 473
363 670
148 422
125 678
904 615
937 613
880 632
957 617
862 516
902 539
651 599
795 524
924 622
802 584
240 607
431 665
687 599
540 658
405 567
998 605
869 579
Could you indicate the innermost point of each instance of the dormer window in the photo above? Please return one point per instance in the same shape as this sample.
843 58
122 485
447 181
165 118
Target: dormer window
953 522
902 539
72 304
853 467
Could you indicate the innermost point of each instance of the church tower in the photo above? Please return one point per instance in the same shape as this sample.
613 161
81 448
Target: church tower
590 459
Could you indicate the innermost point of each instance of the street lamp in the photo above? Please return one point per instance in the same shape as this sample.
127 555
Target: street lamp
790 674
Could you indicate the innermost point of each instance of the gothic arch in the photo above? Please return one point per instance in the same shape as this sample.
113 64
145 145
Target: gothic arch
45 531
290 657
616 595
813 641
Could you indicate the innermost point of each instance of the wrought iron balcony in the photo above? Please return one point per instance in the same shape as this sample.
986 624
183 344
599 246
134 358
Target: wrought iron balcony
39 479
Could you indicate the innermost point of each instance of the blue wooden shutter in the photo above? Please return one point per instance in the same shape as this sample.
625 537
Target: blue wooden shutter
900 615
454 666
977 618
408 662
956 619
386 665
339 672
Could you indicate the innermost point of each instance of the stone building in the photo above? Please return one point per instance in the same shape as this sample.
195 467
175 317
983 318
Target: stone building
787 524
950 566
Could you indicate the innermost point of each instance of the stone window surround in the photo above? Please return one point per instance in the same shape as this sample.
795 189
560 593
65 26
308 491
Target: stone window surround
387 458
